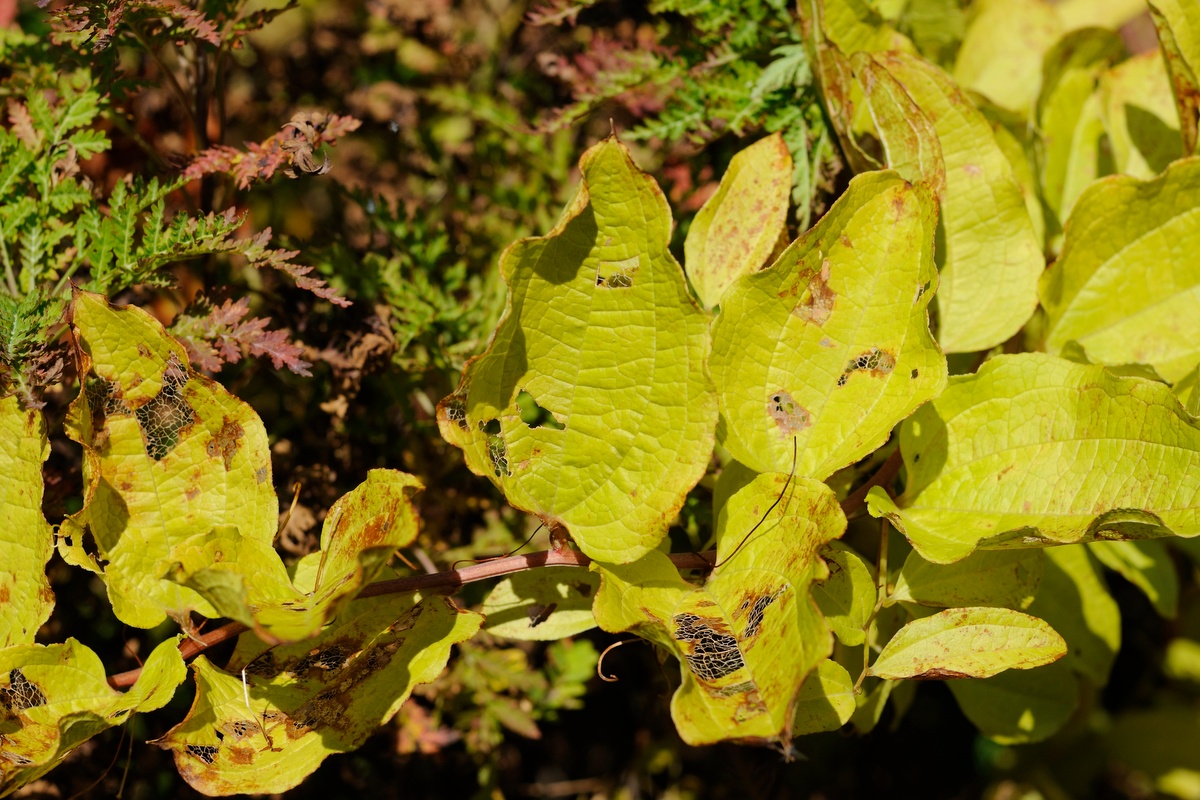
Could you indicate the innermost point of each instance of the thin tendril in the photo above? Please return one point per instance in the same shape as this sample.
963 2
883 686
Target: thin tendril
600 661
758 524
521 547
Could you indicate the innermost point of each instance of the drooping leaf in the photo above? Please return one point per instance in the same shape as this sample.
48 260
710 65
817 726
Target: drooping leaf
826 700
870 705
968 643
601 332
1074 599
856 25
748 638
1140 115
1020 706
847 597
1178 24
56 697
1148 566
992 258
27 540
168 454
245 579
735 231
909 138
1069 114
1001 54
1033 450
830 346
1126 286
542 604
1007 578
310 699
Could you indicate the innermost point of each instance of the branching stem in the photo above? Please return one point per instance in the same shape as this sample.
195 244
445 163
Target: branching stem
453 580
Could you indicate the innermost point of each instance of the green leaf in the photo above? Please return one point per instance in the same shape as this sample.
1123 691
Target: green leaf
1074 599
819 356
847 597
856 25
27 540
1033 450
1001 53
601 331
992 257
826 700
56 697
1069 115
748 638
1020 706
735 231
1007 578
1178 24
302 702
168 454
1140 115
542 604
245 579
1126 286
1148 566
968 643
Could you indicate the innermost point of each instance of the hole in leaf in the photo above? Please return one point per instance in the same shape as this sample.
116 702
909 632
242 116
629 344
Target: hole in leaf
754 619
534 415
456 412
617 274
498 454
20 694
491 427
205 752
165 417
877 362
714 654
914 374
790 416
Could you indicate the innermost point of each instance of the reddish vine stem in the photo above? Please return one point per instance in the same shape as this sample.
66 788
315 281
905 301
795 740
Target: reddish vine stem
454 579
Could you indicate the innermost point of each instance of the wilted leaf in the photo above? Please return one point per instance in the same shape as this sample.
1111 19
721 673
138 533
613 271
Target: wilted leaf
968 643
311 699
738 227
27 540
1033 450
1020 706
992 258
168 454
1007 578
847 597
542 604
909 138
245 579
1148 566
830 346
56 697
826 700
1178 24
748 638
1126 286
601 332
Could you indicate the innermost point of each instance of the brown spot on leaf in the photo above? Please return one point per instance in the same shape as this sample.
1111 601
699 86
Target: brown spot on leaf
973 170
789 416
938 674
225 443
817 301
143 351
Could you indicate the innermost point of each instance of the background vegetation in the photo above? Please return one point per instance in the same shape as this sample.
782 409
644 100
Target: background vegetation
450 128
